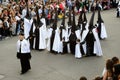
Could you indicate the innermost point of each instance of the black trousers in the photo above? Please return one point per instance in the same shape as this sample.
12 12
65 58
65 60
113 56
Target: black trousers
118 14
90 48
65 49
1 31
25 61
25 65
6 32
72 47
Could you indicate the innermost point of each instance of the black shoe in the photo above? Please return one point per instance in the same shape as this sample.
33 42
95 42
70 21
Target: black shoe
87 55
55 53
93 54
22 73
84 55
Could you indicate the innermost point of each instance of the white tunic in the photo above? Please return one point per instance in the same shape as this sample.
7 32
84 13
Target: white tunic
25 46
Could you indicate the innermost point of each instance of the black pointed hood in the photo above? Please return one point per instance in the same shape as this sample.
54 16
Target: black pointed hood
99 16
74 27
80 20
69 18
39 23
84 14
54 26
31 30
63 21
91 23
85 18
43 12
27 13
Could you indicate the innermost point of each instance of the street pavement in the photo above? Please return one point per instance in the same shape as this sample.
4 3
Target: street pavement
47 66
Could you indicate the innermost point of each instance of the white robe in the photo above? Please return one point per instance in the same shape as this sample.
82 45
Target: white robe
77 47
85 32
103 31
44 27
49 32
61 42
97 45
56 44
27 27
67 35
42 39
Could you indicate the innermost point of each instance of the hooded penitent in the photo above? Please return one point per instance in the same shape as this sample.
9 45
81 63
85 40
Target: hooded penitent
90 37
101 27
27 22
52 41
37 40
73 37
63 36
99 23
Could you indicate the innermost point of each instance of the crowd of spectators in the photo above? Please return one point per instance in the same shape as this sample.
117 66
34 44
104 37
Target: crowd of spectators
110 72
12 14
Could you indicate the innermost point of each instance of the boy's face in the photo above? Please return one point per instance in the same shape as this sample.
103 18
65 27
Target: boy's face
21 37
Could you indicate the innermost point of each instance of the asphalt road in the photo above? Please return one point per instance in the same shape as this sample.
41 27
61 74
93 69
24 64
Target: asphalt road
47 66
